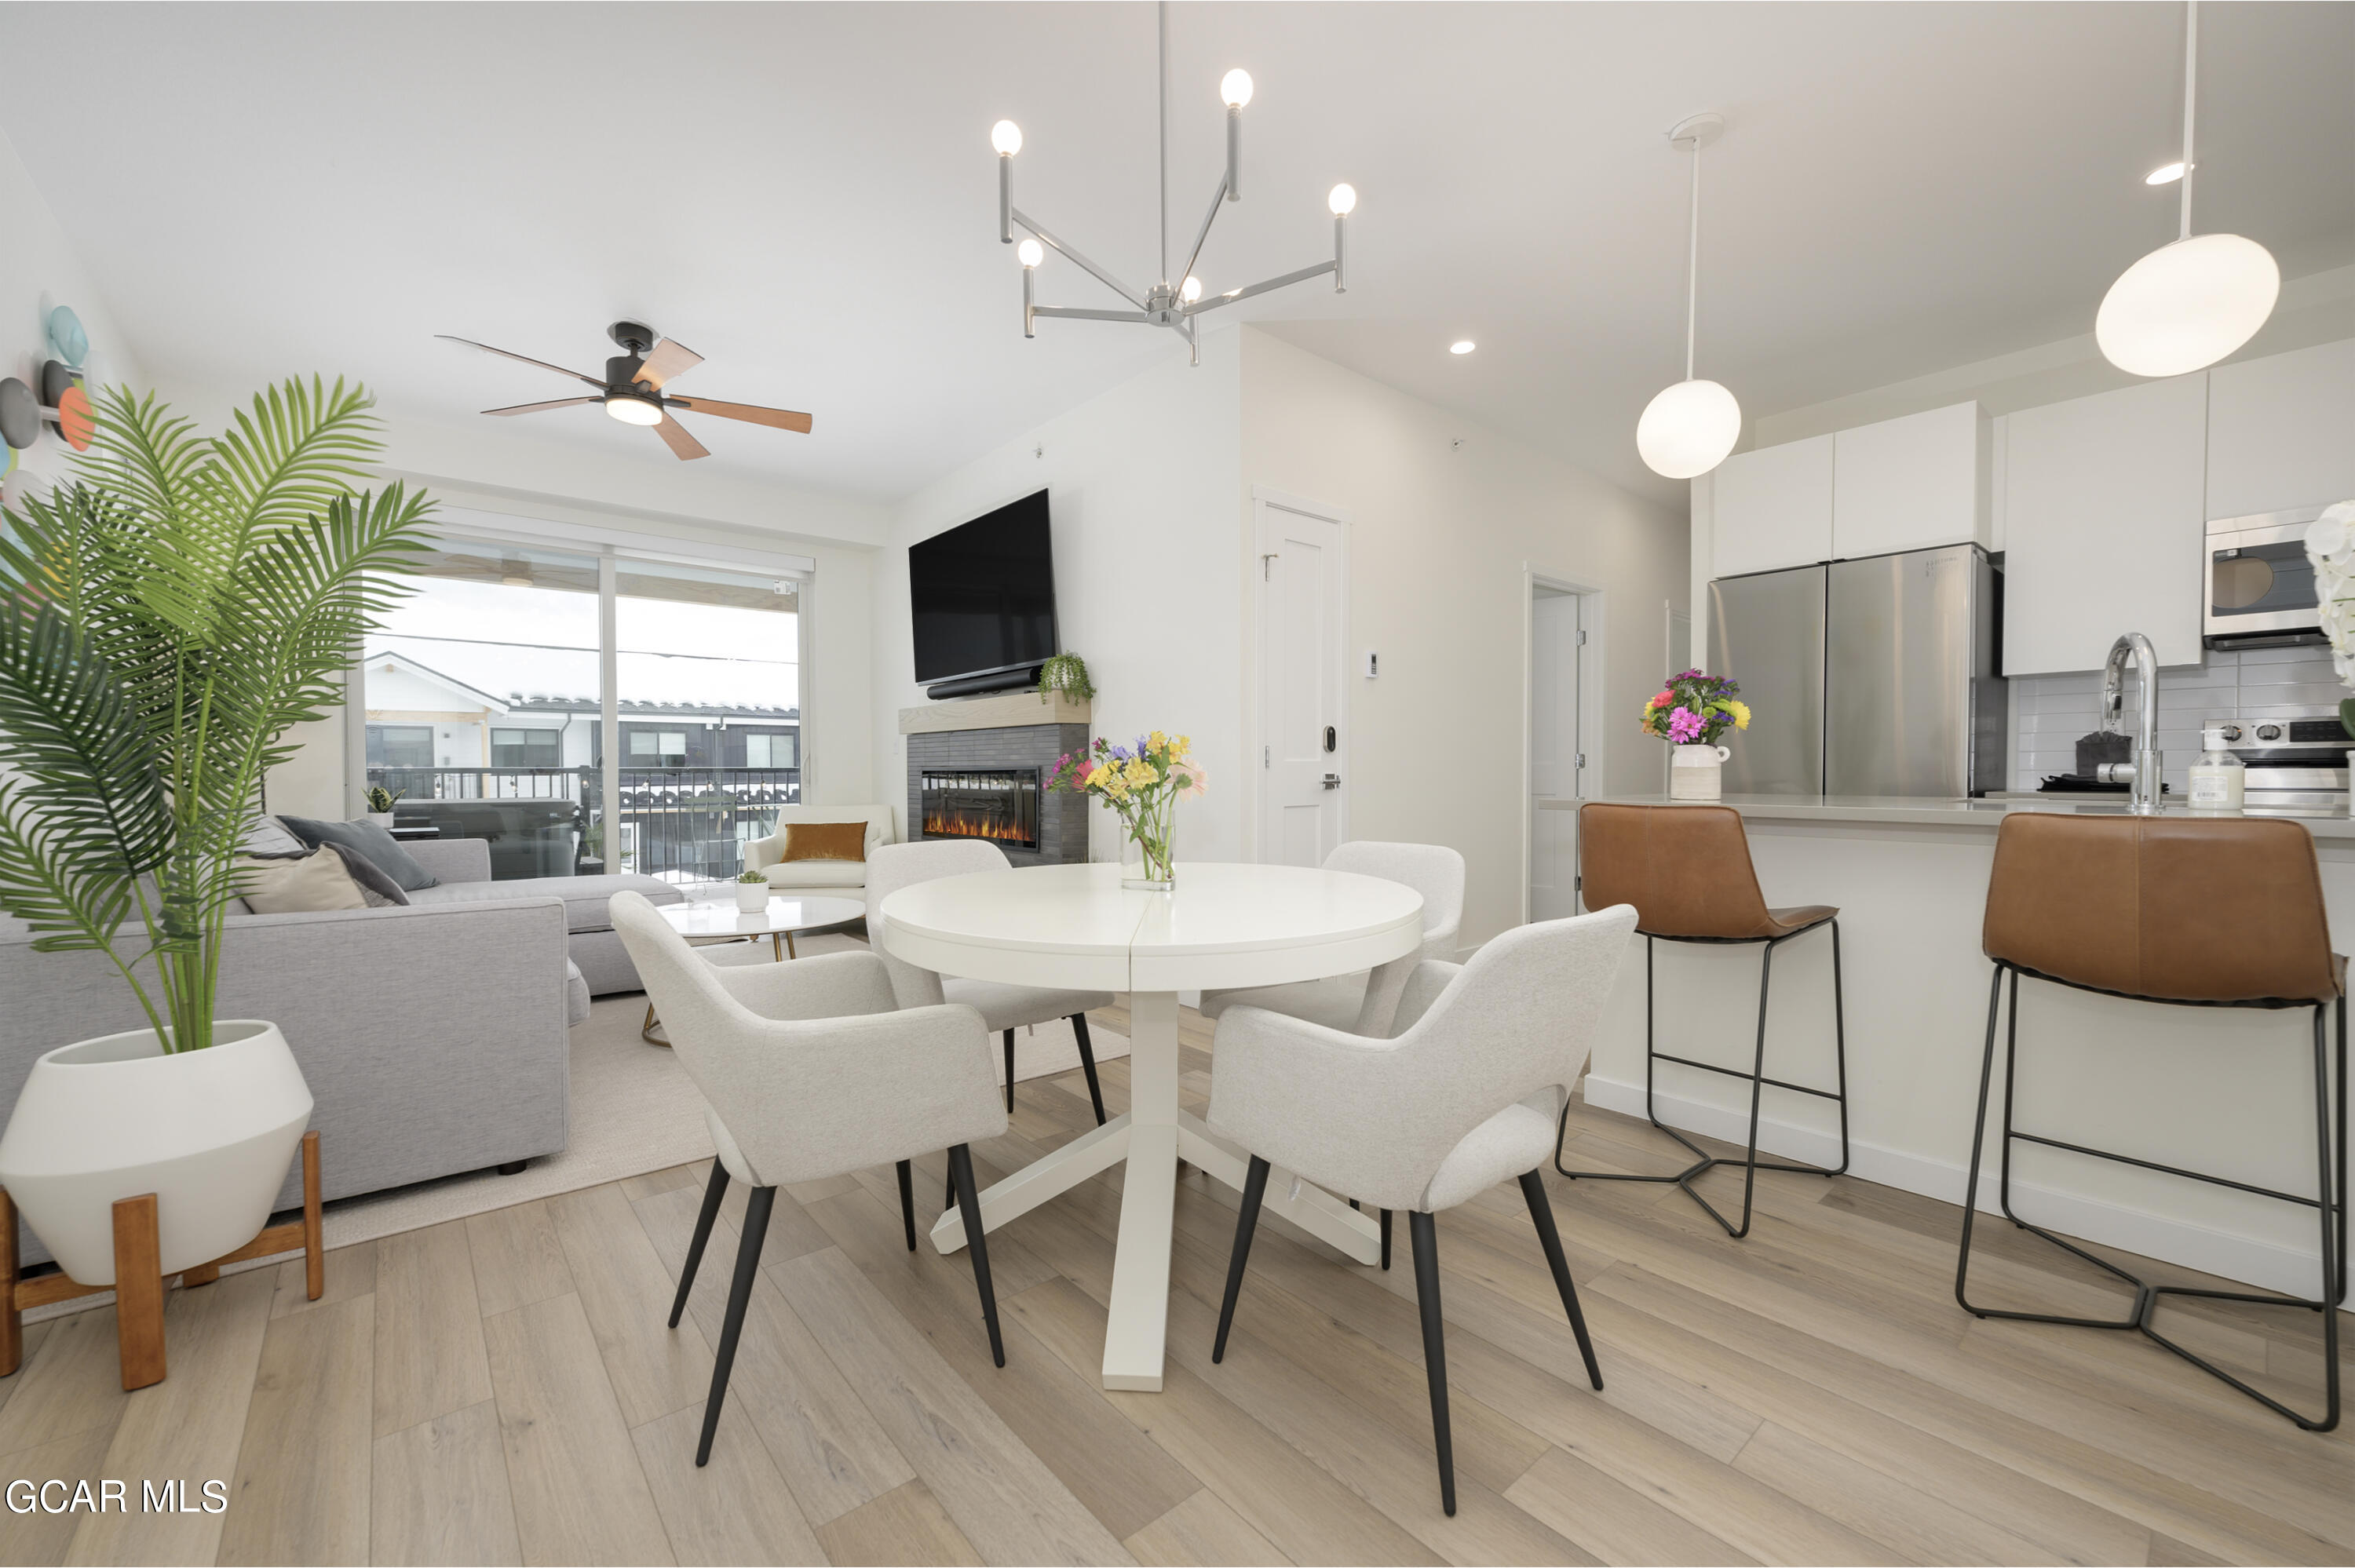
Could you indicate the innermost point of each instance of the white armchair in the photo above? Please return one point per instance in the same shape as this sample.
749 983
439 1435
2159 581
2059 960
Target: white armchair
1464 1094
1360 1003
835 878
822 1072
1004 1008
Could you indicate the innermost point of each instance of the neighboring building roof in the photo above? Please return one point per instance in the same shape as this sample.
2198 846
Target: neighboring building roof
564 680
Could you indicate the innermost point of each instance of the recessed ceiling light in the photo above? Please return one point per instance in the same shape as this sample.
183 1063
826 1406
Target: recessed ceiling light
1462 346
2165 174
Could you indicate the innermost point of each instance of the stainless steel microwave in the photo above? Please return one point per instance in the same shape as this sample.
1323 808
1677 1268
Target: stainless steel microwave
2259 588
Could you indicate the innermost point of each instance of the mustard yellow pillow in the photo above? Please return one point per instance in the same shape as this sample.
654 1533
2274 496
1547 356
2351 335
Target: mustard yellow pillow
826 841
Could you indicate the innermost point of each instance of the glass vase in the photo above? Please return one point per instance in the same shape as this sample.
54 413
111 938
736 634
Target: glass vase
1151 829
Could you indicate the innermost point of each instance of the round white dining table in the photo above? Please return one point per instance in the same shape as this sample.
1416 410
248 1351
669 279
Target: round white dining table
1075 927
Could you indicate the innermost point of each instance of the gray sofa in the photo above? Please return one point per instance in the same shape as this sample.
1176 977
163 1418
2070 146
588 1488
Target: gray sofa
434 1036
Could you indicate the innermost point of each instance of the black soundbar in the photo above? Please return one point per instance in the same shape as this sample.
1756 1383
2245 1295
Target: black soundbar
989 681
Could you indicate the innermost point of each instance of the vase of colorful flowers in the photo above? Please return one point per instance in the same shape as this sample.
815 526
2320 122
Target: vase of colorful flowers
1690 712
1142 784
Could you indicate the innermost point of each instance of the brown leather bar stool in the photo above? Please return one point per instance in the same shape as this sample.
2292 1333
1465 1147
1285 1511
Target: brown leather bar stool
1686 870
2103 904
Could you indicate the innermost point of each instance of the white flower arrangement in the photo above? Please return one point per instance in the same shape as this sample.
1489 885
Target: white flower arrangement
2330 547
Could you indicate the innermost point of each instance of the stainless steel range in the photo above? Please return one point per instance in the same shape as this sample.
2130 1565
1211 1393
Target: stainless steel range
2295 761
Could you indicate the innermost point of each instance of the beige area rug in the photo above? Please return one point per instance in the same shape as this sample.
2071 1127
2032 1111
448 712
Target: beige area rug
633 1110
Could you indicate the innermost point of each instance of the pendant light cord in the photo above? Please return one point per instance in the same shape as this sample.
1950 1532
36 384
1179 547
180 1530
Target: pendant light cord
1163 11
1692 263
2191 101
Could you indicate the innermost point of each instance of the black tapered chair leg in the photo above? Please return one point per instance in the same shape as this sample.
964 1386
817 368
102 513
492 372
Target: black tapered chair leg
1386 1238
907 1200
1247 1222
1009 1072
1542 1215
978 1242
1423 1239
740 1294
1088 1064
949 1200
715 1190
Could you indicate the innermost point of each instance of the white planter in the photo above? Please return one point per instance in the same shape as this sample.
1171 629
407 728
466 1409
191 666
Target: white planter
1694 772
211 1133
751 899
381 819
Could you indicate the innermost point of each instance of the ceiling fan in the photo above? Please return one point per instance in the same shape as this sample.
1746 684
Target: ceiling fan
632 390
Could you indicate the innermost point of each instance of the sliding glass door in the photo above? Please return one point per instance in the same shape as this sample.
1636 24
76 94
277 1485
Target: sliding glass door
520 687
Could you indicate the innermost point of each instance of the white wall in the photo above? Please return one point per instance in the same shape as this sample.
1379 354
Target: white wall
1148 552
1439 536
38 268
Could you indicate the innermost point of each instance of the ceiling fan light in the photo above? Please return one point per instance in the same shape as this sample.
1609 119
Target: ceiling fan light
2187 305
632 410
1687 429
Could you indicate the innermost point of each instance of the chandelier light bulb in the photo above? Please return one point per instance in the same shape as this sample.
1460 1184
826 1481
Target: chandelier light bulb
1190 290
2165 174
1343 200
1031 252
1687 429
2187 305
632 410
1006 137
1235 88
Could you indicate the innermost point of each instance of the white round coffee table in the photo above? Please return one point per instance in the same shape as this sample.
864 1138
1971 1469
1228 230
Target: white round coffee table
705 925
1074 926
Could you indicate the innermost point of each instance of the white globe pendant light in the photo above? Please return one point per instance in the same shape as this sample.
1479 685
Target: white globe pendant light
2187 304
1689 428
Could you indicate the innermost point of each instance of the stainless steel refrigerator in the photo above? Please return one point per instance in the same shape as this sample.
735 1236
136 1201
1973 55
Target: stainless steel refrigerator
1876 676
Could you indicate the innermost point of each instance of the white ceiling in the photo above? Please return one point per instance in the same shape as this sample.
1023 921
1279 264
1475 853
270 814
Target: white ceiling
804 194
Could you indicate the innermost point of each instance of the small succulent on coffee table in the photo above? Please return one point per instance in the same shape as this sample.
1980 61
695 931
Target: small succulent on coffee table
750 877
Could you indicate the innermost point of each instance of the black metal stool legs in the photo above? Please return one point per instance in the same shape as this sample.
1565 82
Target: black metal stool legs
739 1295
1704 1161
1088 1064
2331 1203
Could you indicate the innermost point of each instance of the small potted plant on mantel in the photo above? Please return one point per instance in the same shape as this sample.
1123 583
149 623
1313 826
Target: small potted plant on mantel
166 618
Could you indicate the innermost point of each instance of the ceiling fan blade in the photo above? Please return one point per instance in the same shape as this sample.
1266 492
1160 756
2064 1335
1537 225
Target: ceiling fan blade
665 361
674 437
750 413
528 359
536 407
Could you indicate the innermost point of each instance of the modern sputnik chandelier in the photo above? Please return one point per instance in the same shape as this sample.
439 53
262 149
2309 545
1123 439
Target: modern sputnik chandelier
1172 305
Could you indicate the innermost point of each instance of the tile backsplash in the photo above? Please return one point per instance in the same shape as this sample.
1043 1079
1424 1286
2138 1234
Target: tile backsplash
2049 712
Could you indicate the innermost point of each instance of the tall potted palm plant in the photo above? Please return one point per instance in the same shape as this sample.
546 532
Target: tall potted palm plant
166 616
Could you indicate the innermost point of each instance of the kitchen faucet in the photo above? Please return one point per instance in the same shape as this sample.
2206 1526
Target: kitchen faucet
2142 772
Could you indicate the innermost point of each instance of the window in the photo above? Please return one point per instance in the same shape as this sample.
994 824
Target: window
657 748
525 748
399 746
771 750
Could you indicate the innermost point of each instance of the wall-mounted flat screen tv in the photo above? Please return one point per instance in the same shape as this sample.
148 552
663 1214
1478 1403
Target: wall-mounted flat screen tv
982 596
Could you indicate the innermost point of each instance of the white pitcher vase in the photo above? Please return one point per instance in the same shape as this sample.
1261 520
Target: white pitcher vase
1695 771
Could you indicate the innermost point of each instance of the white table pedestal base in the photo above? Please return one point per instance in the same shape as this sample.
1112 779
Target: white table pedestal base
1151 1138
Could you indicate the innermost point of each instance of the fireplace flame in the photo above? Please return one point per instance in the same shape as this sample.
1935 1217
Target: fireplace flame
944 824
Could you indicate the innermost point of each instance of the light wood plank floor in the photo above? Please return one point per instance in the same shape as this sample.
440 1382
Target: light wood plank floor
502 1390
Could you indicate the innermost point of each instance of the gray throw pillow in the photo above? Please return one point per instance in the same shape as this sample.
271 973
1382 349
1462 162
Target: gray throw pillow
372 842
263 836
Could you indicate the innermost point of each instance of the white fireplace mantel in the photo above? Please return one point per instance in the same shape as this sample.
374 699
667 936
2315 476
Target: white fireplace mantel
998 710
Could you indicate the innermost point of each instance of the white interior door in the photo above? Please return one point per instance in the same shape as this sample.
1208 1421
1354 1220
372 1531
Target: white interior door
1302 583
1555 646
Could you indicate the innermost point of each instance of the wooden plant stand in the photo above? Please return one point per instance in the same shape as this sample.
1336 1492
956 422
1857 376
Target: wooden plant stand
138 1281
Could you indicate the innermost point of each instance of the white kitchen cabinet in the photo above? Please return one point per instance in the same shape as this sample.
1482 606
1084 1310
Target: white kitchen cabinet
1773 508
1912 483
2281 432
2105 501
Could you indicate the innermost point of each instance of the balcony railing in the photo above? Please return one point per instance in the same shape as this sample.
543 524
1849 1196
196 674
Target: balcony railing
682 825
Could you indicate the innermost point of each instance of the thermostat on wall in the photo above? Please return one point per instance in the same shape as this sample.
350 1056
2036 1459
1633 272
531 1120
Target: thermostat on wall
1373 664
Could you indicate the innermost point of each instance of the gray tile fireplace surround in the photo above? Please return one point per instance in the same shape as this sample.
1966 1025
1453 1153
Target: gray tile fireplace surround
1062 816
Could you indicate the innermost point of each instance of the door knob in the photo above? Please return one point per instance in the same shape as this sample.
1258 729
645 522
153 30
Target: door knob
1332 781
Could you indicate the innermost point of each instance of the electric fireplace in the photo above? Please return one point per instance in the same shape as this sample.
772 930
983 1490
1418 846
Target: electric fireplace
1000 804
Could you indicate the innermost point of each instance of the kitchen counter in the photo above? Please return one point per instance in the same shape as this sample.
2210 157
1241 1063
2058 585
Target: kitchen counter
2330 826
2227 1091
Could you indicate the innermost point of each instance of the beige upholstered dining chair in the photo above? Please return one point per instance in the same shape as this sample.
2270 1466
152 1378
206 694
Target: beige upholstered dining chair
821 1073
1463 1093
